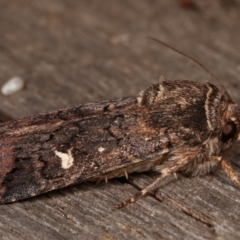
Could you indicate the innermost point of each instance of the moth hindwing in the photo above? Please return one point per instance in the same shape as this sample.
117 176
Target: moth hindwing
172 126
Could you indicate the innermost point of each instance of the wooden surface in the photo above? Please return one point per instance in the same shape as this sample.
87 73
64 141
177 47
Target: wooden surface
71 52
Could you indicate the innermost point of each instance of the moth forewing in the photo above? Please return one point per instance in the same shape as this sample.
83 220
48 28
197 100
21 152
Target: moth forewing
91 142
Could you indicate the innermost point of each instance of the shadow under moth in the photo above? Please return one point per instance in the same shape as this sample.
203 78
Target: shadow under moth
173 126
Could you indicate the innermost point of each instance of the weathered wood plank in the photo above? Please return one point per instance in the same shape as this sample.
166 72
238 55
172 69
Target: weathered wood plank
72 52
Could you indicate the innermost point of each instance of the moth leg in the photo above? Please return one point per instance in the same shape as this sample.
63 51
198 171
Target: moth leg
176 162
156 184
152 187
229 171
106 179
126 173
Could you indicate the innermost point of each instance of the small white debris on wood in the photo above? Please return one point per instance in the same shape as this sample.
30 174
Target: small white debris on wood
67 158
12 86
101 149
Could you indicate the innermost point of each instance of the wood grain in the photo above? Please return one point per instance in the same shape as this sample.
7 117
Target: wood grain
73 52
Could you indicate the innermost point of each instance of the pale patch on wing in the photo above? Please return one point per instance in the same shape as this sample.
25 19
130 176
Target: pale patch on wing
101 149
66 158
183 103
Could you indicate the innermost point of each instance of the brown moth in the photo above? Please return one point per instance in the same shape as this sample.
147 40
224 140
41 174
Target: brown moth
173 126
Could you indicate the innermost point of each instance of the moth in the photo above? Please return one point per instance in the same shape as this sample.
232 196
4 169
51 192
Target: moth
173 126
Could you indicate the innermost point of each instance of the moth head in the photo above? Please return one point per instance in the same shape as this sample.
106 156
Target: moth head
231 124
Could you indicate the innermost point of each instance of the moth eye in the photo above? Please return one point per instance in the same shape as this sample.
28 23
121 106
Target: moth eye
229 131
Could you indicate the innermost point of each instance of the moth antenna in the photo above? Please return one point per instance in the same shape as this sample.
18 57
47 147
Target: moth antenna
198 63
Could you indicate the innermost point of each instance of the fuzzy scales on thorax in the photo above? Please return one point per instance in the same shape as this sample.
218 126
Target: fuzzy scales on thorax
190 116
